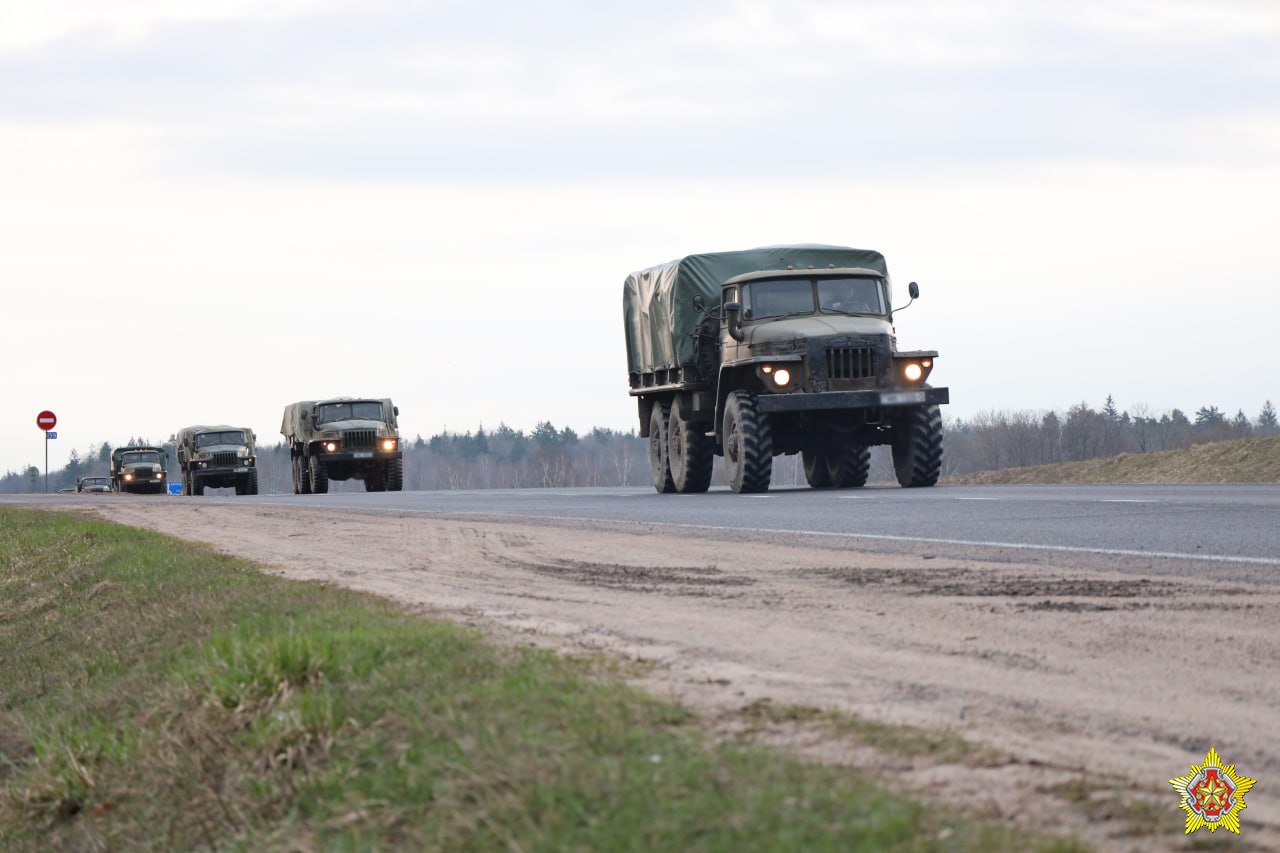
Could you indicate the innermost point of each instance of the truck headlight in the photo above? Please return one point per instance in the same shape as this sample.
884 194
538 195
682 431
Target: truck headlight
775 375
330 446
159 475
388 444
128 477
915 370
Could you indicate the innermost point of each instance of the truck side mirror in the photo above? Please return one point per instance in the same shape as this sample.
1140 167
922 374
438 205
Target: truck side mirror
733 319
913 290
395 410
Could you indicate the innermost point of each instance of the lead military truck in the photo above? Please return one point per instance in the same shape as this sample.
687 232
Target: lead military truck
341 439
139 469
217 457
777 350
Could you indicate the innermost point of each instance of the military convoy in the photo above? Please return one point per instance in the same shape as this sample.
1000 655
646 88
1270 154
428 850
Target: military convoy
341 439
777 350
139 469
746 355
217 457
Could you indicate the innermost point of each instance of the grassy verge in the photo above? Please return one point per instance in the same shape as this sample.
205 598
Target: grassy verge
157 695
1248 460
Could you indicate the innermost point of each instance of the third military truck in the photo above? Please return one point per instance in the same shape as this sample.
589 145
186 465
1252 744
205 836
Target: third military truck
341 439
217 457
781 349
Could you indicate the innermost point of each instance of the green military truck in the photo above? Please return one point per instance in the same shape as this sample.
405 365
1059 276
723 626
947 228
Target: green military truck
139 469
217 457
782 349
341 439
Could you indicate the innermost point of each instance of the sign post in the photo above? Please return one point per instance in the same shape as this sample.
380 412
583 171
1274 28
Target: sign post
47 420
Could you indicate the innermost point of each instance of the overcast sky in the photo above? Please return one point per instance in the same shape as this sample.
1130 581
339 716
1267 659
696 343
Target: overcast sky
209 210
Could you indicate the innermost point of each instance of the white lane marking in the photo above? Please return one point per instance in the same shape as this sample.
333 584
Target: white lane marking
1124 501
878 537
854 497
977 499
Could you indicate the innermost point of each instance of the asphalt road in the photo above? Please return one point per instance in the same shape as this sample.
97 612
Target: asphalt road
1230 531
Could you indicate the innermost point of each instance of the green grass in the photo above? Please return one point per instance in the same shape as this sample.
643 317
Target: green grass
1248 460
157 695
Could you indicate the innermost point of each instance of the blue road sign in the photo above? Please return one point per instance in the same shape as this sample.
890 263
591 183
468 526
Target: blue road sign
51 435
175 488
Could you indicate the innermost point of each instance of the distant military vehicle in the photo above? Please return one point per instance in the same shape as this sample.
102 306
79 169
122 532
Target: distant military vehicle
139 469
341 439
783 349
217 457
94 485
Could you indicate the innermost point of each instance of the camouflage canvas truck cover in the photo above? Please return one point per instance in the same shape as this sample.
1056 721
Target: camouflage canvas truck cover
217 456
139 469
777 350
343 438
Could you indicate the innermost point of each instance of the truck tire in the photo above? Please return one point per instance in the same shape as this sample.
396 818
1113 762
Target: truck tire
691 455
817 469
917 447
849 467
186 483
197 485
395 475
318 476
659 463
376 482
304 476
251 483
748 444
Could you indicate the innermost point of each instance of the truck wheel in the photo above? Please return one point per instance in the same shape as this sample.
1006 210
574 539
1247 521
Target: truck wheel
817 469
917 447
304 476
197 485
659 463
395 475
690 454
849 467
186 484
748 444
318 476
251 483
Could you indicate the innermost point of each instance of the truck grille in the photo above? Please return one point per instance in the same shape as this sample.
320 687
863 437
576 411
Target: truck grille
851 363
359 439
225 459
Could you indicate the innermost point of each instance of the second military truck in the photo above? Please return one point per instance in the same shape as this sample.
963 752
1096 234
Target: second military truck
139 469
341 439
782 349
217 457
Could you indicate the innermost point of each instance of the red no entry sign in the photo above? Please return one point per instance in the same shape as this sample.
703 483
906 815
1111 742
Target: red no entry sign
46 420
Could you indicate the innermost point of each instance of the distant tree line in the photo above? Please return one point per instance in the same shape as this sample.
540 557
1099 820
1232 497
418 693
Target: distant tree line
551 457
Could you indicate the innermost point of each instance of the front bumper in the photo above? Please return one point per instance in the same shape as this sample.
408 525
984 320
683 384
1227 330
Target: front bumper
835 400
360 456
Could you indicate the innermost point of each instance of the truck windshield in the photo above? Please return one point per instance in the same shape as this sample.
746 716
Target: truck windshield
791 296
781 298
850 295
144 456
95 481
359 410
208 439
